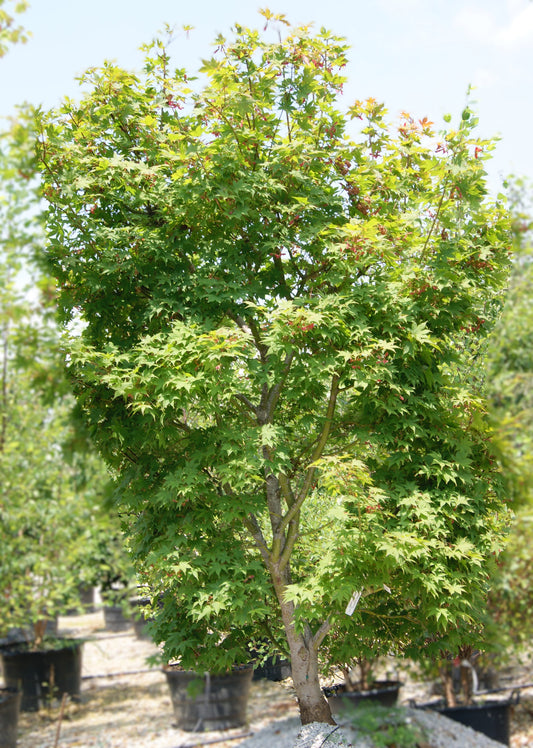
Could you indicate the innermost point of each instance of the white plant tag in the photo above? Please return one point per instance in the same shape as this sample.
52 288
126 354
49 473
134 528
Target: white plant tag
387 589
352 605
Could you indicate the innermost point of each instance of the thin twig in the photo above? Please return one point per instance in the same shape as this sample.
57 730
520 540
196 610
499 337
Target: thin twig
435 219
60 719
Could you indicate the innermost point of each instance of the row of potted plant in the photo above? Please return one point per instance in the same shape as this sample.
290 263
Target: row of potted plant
218 701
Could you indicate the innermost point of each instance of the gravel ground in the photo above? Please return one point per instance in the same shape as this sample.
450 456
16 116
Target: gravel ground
126 705
440 732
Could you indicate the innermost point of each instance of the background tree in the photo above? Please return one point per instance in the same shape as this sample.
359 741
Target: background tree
510 364
9 32
273 306
509 375
55 525
50 493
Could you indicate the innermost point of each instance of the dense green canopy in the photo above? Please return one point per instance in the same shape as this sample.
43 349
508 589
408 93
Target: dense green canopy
274 309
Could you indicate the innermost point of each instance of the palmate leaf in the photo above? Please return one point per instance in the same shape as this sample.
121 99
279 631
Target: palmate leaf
280 324
421 334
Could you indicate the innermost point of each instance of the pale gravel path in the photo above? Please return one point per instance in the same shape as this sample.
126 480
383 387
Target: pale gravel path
134 710
440 732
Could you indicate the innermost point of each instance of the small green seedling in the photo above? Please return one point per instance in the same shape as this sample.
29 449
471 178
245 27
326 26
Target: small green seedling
388 727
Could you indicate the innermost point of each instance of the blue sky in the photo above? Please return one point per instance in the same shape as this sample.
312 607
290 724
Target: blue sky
414 55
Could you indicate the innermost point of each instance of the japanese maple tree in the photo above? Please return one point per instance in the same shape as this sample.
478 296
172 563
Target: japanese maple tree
272 305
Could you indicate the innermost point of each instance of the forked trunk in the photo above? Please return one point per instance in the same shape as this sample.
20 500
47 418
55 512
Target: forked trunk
311 701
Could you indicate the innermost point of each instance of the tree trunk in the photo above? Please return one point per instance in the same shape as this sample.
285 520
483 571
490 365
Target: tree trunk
312 703
466 673
447 682
466 684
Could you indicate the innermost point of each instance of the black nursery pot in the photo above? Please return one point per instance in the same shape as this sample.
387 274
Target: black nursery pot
220 705
492 718
384 692
274 668
43 674
87 598
86 603
9 714
115 620
139 620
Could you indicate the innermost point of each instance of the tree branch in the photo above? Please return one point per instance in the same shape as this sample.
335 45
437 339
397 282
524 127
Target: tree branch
274 507
286 489
252 525
321 633
275 392
317 452
249 404
293 532
250 328
436 218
